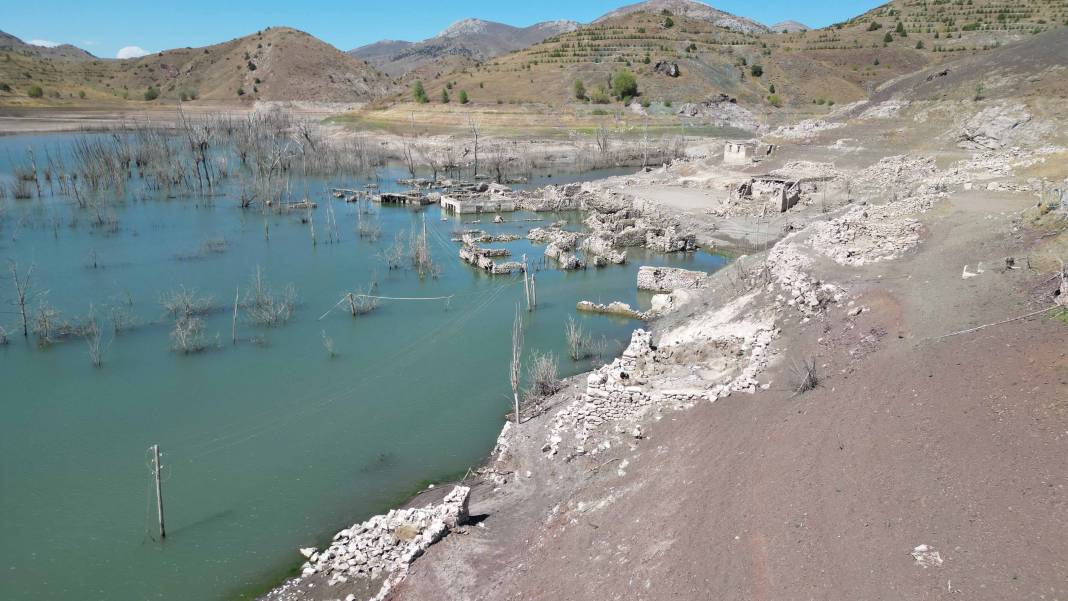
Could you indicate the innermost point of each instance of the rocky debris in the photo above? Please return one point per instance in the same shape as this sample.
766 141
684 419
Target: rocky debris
613 308
926 556
994 127
807 170
721 111
669 239
667 68
789 267
899 174
866 234
667 279
483 259
805 130
385 545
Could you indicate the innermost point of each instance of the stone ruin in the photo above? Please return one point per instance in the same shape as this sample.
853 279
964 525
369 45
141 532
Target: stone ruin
667 279
783 193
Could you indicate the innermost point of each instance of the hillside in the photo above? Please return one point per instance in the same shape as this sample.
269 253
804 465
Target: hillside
10 43
463 43
838 64
277 64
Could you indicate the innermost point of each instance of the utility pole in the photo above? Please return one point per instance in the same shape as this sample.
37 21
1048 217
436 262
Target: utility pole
156 467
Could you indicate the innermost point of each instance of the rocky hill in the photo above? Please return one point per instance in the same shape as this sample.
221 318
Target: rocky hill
10 43
789 27
691 9
276 64
464 42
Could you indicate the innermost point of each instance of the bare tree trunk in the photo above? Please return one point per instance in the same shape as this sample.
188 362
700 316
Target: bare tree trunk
22 290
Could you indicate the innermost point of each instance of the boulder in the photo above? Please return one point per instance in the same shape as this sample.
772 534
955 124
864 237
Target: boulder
667 68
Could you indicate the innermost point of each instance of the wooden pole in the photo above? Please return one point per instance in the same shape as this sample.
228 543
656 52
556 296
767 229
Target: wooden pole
156 467
233 326
526 281
534 289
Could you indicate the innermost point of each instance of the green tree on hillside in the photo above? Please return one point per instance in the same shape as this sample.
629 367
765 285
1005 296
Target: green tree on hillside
35 91
888 38
901 30
580 90
419 93
668 23
624 85
463 97
444 96
756 70
152 93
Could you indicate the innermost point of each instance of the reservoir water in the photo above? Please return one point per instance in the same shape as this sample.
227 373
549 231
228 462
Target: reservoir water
272 443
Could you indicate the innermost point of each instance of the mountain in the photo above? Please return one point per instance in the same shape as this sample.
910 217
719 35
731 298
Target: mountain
10 43
789 27
276 64
691 9
462 43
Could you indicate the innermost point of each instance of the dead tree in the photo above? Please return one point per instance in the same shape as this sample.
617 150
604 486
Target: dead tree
23 285
517 355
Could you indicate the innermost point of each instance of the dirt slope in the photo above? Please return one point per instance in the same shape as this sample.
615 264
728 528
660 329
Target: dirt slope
276 64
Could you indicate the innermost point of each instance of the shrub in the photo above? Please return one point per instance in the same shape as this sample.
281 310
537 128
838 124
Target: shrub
579 89
624 85
152 93
241 91
544 381
775 101
463 97
875 26
600 96
419 93
919 45
901 30
771 88
35 91
81 94
444 96
668 23
4 87
888 38
756 70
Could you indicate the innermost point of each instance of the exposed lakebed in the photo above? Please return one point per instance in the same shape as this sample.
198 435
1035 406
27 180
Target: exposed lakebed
271 443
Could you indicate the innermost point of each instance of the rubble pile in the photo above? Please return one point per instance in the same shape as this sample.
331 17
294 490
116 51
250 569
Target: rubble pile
789 268
805 130
385 545
721 111
899 174
600 252
866 234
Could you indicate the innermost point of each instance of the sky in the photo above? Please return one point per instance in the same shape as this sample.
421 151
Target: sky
108 28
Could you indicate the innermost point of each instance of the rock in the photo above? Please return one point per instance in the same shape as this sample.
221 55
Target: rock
994 127
307 551
667 68
855 311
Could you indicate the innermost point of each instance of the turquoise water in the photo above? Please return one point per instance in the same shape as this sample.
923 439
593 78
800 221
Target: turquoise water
270 444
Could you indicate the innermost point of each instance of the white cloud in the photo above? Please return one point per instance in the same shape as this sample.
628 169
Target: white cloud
45 43
131 52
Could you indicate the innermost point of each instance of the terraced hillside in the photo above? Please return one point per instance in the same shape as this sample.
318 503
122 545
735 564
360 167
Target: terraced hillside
841 63
279 64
